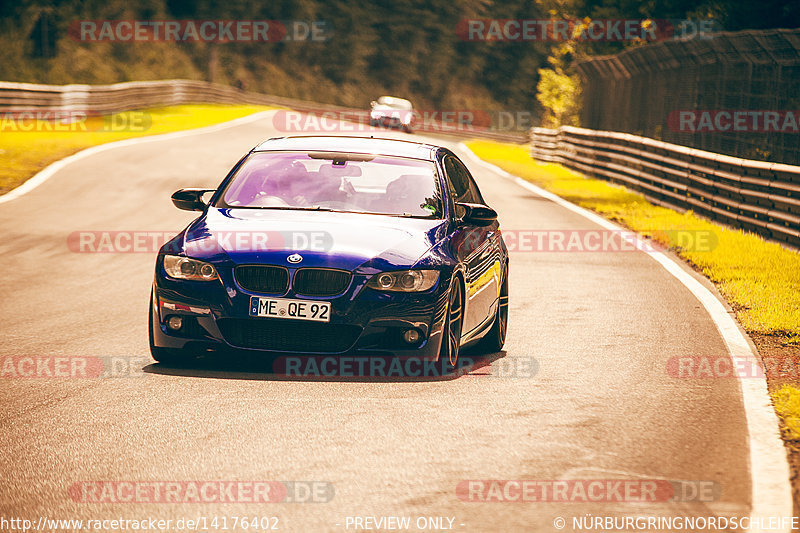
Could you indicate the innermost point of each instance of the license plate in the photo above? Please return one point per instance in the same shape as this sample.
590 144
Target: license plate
291 309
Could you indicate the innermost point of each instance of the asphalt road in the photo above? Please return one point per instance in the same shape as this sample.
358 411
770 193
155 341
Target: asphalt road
600 327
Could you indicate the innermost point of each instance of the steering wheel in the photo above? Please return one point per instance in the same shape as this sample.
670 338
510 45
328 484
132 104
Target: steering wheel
264 200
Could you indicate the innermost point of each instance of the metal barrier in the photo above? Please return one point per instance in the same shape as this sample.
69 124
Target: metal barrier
144 94
132 95
756 196
645 90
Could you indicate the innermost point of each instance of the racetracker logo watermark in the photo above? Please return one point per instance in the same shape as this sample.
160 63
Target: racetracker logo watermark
598 30
202 492
73 121
221 241
206 31
538 240
73 367
726 367
733 120
403 367
430 120
586 490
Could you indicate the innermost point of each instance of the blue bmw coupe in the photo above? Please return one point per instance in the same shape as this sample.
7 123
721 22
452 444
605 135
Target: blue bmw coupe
334 245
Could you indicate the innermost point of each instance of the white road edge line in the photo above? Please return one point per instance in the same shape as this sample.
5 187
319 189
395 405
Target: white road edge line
769 467
48 172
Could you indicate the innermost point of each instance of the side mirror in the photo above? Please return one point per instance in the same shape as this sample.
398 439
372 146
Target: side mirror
477 214
190 199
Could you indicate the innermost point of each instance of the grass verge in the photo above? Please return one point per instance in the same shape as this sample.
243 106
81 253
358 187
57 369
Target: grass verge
24 153
760 279
787 405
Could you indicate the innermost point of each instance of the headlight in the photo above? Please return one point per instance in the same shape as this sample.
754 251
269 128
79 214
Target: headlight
180 267
404 281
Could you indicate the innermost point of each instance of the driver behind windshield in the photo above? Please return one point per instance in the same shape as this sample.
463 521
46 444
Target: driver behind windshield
378 185
294 184
290 182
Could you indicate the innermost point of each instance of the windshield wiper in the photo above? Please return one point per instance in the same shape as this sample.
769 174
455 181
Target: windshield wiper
290 207
332 210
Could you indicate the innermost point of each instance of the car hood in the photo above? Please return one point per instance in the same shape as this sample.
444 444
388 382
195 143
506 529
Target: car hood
323 239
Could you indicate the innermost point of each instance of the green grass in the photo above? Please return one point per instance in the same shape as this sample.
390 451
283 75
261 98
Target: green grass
787 405
760 279
24 153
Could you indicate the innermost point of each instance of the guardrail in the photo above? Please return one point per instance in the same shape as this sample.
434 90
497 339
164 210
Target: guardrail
142 94
757 196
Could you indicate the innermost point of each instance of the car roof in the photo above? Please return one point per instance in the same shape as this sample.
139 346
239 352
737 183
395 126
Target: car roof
395 101
350 144
388 98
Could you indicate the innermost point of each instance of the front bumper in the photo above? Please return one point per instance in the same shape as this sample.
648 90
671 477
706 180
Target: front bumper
216 317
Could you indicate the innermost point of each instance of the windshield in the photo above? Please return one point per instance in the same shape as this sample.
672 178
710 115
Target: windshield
336 181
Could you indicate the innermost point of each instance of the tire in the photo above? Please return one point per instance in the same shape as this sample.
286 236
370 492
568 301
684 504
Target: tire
407 129
166 356
451 334
494 340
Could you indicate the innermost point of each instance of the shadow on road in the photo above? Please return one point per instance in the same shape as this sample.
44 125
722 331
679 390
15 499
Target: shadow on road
328 368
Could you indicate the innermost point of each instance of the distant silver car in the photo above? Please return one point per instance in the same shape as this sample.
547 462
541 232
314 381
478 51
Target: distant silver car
392 112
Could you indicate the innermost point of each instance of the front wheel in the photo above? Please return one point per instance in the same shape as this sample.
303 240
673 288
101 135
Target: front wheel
451 340
496 337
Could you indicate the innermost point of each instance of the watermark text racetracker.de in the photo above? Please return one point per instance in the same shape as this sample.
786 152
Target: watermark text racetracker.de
427 120
201 491
403 367
72 367
143 241
73 121
598 30
734 121
517 240
726 367
587 490
598 240
206 31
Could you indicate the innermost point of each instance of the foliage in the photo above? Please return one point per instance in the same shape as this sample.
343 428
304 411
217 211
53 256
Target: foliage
559 92
405 47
